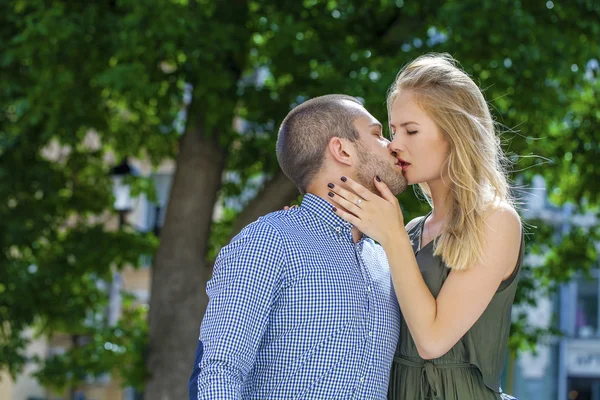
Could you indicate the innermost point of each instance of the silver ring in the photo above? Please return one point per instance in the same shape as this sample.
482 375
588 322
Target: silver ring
358 202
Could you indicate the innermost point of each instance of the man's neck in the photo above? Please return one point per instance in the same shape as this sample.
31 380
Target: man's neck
356 234
321 190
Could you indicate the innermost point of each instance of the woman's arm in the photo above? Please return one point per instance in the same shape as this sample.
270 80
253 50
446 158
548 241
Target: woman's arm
436 325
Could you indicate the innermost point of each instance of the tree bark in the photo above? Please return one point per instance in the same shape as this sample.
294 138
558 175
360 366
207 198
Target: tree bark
179 274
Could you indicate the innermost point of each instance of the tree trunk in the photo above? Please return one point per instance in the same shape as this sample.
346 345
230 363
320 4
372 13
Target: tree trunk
276 194
179 274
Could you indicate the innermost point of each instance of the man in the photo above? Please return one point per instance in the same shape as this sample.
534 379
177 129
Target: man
301 304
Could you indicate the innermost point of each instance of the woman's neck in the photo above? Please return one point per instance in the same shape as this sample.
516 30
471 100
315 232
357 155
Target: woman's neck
442 200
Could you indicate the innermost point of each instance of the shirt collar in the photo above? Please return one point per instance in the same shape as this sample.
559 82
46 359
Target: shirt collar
322 209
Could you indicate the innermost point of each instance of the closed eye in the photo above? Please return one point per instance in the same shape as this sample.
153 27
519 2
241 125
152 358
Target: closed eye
411 132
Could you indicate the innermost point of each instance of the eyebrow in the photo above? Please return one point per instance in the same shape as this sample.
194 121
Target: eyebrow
408 123
376 124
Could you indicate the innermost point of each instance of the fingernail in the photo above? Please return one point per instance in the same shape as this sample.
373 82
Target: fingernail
330 194
334 209
377 178
330 185
344 179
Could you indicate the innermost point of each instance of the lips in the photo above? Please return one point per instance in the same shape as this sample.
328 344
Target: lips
402 164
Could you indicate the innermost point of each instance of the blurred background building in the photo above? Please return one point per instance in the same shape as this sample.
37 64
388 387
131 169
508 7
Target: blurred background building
566 367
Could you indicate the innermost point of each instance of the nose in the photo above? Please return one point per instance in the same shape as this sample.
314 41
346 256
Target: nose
396 146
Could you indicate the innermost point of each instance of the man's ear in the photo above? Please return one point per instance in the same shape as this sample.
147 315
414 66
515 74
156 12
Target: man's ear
341 150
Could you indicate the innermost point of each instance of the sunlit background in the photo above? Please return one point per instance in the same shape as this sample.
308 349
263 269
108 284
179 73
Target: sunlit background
138 137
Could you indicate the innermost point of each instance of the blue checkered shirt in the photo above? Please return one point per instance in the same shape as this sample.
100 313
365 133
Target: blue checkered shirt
297 310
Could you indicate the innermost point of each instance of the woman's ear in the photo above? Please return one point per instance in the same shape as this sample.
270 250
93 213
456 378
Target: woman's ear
341 150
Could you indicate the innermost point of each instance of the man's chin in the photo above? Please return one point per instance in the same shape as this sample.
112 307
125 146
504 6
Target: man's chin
398 187
396 184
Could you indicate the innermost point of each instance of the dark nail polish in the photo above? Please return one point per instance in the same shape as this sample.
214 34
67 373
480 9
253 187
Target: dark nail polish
344 179
330 185
334 209
378 178
330 194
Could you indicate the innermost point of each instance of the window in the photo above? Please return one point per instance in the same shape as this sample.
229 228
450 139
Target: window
586 311
583 388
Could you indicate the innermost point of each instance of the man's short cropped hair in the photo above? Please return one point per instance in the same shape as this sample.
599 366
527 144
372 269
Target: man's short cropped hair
305 133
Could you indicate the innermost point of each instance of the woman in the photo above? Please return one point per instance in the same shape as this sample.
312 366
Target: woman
455 269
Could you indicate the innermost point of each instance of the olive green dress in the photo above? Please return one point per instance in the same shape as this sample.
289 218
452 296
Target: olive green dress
471 369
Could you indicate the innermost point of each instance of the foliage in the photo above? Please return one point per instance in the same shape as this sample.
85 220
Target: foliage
119 68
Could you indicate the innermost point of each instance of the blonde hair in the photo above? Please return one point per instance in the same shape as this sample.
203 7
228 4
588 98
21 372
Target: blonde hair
475 164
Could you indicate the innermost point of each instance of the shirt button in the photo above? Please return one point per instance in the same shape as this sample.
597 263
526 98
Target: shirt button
369 289
370 334
362 379
338 230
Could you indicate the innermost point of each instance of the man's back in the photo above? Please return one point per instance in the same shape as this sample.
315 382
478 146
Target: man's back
298 310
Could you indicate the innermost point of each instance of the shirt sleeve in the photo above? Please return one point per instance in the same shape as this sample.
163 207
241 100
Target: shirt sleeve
246 278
